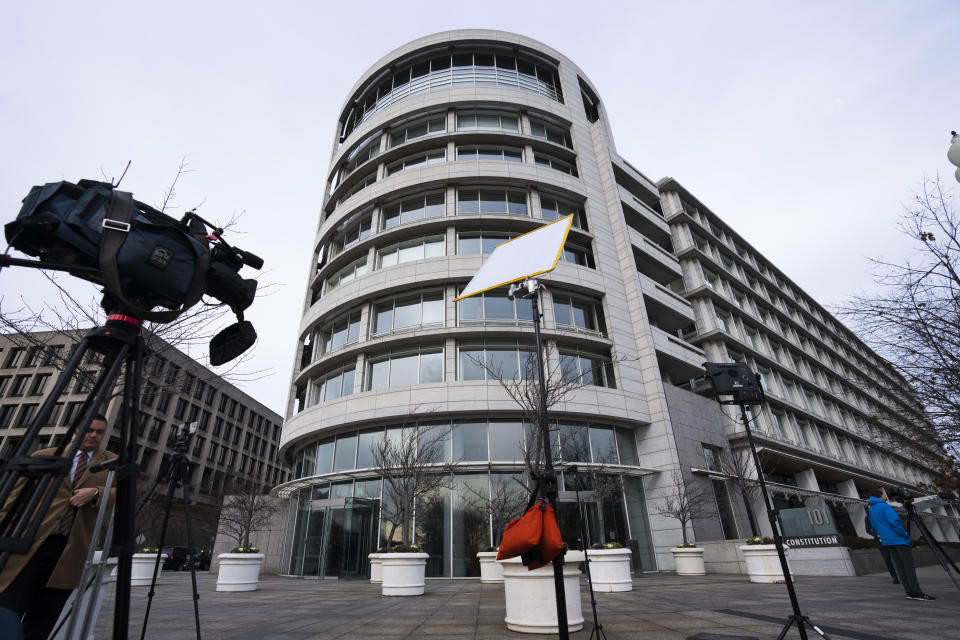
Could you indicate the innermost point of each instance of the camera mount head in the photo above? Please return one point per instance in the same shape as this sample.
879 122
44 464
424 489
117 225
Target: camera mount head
734 383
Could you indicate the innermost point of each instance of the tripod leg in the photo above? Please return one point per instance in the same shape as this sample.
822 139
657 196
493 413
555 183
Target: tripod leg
185 487
171 487
815 628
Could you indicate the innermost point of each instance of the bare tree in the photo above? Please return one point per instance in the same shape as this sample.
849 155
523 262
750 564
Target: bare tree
414 464
737 465
506 500
246 510
914 322
686 503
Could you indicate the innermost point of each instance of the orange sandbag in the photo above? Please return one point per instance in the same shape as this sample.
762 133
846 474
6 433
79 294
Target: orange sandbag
550 544
522 534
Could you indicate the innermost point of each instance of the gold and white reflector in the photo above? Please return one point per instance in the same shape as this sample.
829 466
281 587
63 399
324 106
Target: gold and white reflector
520 258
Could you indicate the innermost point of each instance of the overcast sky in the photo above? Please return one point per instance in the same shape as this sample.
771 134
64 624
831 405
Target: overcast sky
805 126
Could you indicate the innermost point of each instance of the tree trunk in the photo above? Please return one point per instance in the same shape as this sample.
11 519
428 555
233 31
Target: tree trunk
750 516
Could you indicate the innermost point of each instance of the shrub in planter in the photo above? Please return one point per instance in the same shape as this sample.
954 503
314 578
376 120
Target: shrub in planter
763 561
610 567
404 568
240 569
491 571
689 559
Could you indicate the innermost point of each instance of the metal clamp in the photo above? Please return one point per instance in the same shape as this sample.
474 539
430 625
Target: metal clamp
116 225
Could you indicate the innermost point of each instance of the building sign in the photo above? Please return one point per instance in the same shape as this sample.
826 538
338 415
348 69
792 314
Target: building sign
808 521
813 541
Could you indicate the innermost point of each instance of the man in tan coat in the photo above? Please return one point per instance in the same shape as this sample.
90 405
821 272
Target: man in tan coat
37 584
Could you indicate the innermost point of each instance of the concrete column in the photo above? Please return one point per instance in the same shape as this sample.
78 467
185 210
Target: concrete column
807 479
857 515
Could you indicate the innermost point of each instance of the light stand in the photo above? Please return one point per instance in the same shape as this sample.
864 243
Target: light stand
741 386
597 631
530 288
177 472
945 561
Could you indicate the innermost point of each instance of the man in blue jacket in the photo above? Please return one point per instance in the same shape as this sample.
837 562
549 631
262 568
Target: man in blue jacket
887 525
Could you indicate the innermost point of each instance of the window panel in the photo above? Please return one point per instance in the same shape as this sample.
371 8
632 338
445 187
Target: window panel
470 441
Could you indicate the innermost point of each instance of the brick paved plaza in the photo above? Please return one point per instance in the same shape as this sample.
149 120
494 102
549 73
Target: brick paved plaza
661 607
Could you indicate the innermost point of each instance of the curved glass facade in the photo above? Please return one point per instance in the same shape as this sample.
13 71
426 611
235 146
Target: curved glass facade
477 67
411 211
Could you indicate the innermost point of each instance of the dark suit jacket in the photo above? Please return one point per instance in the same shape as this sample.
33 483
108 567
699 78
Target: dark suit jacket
66 575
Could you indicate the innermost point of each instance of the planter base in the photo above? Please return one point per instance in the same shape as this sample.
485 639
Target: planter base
689 561
403 574
239 571
531 600
610 570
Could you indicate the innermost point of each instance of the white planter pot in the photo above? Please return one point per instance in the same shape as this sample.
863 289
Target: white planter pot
763 563
239 571
689 561
141 568
403 573
531 599
491 571
376 567
610 569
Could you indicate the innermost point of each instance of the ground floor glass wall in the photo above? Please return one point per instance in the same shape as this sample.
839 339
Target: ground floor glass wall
334 526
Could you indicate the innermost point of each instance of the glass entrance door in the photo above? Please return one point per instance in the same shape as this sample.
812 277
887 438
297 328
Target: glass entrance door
333 538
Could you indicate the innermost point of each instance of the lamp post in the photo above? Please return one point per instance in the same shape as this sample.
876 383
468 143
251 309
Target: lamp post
953 153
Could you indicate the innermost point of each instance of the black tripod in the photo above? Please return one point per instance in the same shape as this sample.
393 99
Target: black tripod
938 552
121 344
597 631
176 472
797 617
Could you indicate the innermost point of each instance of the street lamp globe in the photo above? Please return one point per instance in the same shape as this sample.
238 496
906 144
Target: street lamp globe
953 153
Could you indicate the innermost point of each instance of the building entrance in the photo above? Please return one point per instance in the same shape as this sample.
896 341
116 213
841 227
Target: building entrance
333 538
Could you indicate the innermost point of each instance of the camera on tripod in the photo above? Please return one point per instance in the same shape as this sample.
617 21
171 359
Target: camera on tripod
142 257
904 496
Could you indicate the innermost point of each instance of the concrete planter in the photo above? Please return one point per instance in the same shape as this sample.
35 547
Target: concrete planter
689 561
610 569
531 600
491 571
376 568
141 568
403 573
239 571
763 563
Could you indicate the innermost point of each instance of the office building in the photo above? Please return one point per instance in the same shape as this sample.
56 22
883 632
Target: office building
462 140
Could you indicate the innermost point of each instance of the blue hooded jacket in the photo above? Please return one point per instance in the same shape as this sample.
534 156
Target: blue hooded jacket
887 524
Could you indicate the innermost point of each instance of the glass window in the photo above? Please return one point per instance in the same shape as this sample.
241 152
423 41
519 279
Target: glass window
324 457
412 209
553 133
556 164
346 452
586 369
574 443
421 159
491 201
627 447
469 441
411 250
577 255
407 369
489 153
570 311
480 243
554 209
482 362
418 129
603 445
348 273
473 121
494 307
401 313
367 443
505 439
